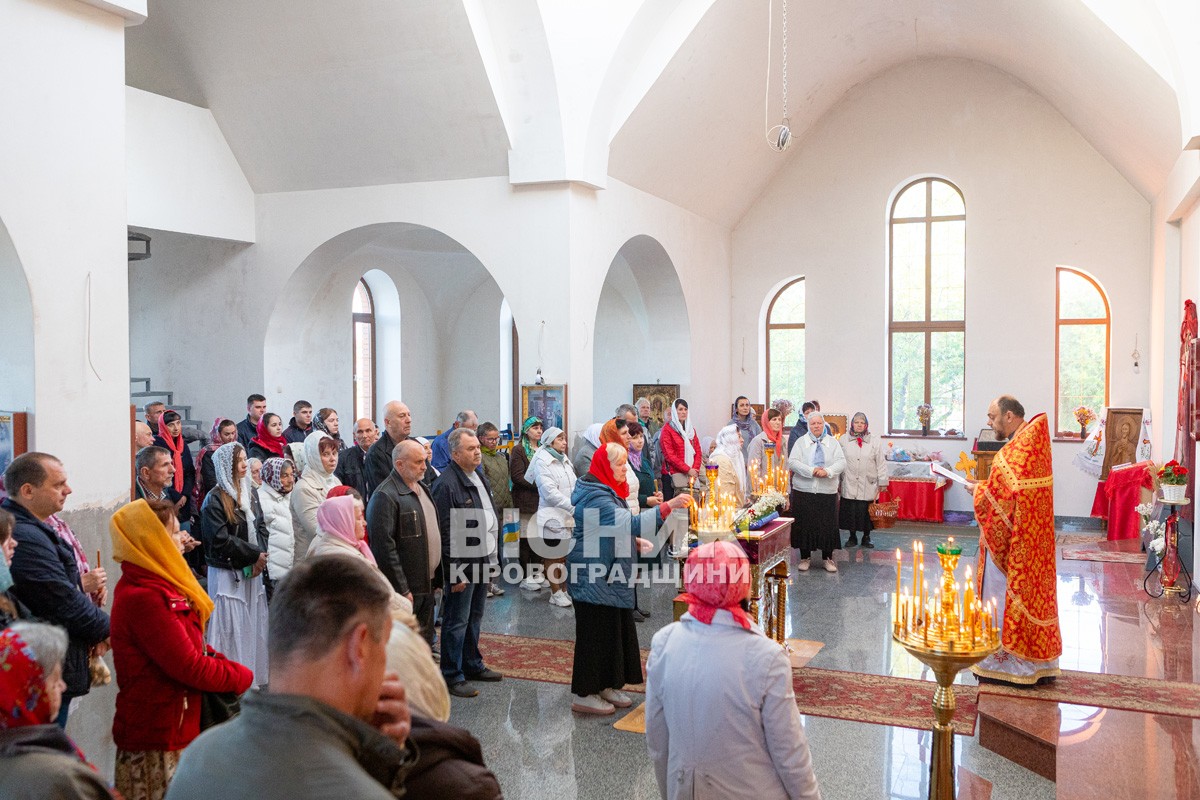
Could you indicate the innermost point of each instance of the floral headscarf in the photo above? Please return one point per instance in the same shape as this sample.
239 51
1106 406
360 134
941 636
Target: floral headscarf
717 575
23 698
337 517
525 426
214 436
295 454
223 467
319 424
272 472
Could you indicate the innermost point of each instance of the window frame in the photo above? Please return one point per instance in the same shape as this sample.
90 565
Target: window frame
928 326
357 317
1106 321
772 326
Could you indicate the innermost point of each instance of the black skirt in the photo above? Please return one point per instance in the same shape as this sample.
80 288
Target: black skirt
606 649
855 515
816 526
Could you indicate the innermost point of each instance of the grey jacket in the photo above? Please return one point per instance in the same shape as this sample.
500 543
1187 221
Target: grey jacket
310 750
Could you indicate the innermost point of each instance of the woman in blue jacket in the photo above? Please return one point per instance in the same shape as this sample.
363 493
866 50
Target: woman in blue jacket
600 575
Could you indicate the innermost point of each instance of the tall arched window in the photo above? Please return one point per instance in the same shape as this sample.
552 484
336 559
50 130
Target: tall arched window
363 311
1082 328
927 309
785 347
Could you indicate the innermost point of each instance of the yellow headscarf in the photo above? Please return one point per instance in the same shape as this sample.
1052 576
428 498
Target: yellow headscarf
140 538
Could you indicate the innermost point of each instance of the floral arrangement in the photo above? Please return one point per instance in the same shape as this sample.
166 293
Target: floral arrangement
1084 416
1173 474
1155 528
765 506
783 406
925 413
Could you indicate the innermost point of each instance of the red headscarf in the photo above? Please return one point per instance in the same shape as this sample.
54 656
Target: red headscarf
717 575
777 438
23 699
602 470
176 446
610 435
264 439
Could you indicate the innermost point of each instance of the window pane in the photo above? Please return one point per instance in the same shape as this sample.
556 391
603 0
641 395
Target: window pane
908 272
789 306
946 201
908 379
362 301
1078 297
947 254
947 365
364 355
911 203
1082 362
787 368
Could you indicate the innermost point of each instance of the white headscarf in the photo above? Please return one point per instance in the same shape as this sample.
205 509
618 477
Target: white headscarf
687 432
591 434
539 458
223 467
727 444
312 455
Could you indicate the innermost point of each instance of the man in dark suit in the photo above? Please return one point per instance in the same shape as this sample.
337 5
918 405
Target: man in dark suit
352 460
256 406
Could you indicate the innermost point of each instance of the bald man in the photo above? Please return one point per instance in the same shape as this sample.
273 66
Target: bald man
351 460
142 435
397 426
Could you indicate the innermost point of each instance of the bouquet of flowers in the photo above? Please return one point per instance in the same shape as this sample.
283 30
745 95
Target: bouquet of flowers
925 413
1173 474
783 406
765 507
1156 529
1084 416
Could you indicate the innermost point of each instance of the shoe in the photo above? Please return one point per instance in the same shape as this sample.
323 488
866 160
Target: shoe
531 584
830 566
486 675
866 542
544 583
853 540
637 616
643 611
593 704
560 599
463 689
617 698
495 589
803 565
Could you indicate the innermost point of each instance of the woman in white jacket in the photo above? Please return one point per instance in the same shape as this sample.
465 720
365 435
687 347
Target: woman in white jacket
865 476
278 480
554 477
320 457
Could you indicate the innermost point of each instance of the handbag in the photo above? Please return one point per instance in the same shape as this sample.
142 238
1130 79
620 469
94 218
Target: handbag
218 707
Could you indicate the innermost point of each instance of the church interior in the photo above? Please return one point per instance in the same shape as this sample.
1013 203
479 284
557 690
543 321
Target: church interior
200 200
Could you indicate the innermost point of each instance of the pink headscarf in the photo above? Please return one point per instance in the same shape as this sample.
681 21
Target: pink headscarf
337 517
717 575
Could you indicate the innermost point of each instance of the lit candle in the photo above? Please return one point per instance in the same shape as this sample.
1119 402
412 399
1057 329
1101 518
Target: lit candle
897 583
969 601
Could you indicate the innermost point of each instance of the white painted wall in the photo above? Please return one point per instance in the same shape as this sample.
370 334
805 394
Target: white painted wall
1037 195
182 175
16 331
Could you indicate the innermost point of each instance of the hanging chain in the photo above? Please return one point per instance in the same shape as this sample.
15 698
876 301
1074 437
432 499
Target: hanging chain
785 44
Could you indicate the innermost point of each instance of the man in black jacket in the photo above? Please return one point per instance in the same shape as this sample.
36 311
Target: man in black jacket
468 524
45 575
300 425
256 406
405 538
397 426
351 461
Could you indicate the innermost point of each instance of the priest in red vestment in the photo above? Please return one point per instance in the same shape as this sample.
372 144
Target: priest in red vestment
1015 511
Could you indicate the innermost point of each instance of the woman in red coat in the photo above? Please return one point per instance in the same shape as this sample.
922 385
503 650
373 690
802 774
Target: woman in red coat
682 458
162 664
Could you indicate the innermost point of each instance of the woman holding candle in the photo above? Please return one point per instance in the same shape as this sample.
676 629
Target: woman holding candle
865 476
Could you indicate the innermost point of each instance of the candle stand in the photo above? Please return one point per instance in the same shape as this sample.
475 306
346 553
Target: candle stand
1170 566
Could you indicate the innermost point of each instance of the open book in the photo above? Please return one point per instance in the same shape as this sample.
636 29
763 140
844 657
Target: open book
938 469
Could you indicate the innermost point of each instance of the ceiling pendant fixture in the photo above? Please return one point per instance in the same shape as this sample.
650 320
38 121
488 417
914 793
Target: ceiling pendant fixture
780 136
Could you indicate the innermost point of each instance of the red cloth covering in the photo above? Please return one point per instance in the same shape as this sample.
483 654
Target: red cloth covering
1123 491
1100 502
1185 447
920 500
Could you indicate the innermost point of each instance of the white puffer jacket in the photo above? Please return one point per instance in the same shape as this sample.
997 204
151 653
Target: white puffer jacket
311 490
281 542
555 482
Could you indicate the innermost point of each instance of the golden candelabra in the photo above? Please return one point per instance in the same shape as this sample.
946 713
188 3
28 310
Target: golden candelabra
774 478
948 634
711 513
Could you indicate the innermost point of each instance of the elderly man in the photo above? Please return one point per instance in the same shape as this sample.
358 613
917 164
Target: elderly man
44 570
440 446
469 526
155 473
142 435
350 468
397 426
334 724
256 406
405 538
643 418
1015 511
817 463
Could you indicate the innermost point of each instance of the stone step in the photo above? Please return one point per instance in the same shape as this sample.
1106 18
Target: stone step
1023 731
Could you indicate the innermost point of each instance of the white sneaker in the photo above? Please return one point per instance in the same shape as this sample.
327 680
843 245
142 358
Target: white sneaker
617 698
531 584
830 566
592 704
560 599
803 565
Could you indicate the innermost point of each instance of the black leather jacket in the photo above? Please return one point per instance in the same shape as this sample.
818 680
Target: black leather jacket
228 545
400 536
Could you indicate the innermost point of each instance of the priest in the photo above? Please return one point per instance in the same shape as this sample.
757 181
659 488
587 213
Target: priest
1015 511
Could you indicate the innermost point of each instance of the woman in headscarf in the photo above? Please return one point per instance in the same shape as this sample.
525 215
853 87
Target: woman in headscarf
326 421
865 477
601 582
524 493
343 532
37 759
278 480
320 456
772 433
639 459
269 441
294 452
731 465
589 443
616 431
170 437
555 479
158 618
734 723
223 431
681 451
231 532
743 418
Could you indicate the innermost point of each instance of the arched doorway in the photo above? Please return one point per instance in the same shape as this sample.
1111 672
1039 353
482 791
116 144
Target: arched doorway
16 330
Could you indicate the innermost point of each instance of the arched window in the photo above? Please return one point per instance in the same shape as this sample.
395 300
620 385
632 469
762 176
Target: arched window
363 310
927 308
785 347
1082 331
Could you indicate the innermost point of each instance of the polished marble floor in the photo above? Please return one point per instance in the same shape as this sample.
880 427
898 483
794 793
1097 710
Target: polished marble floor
539 749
